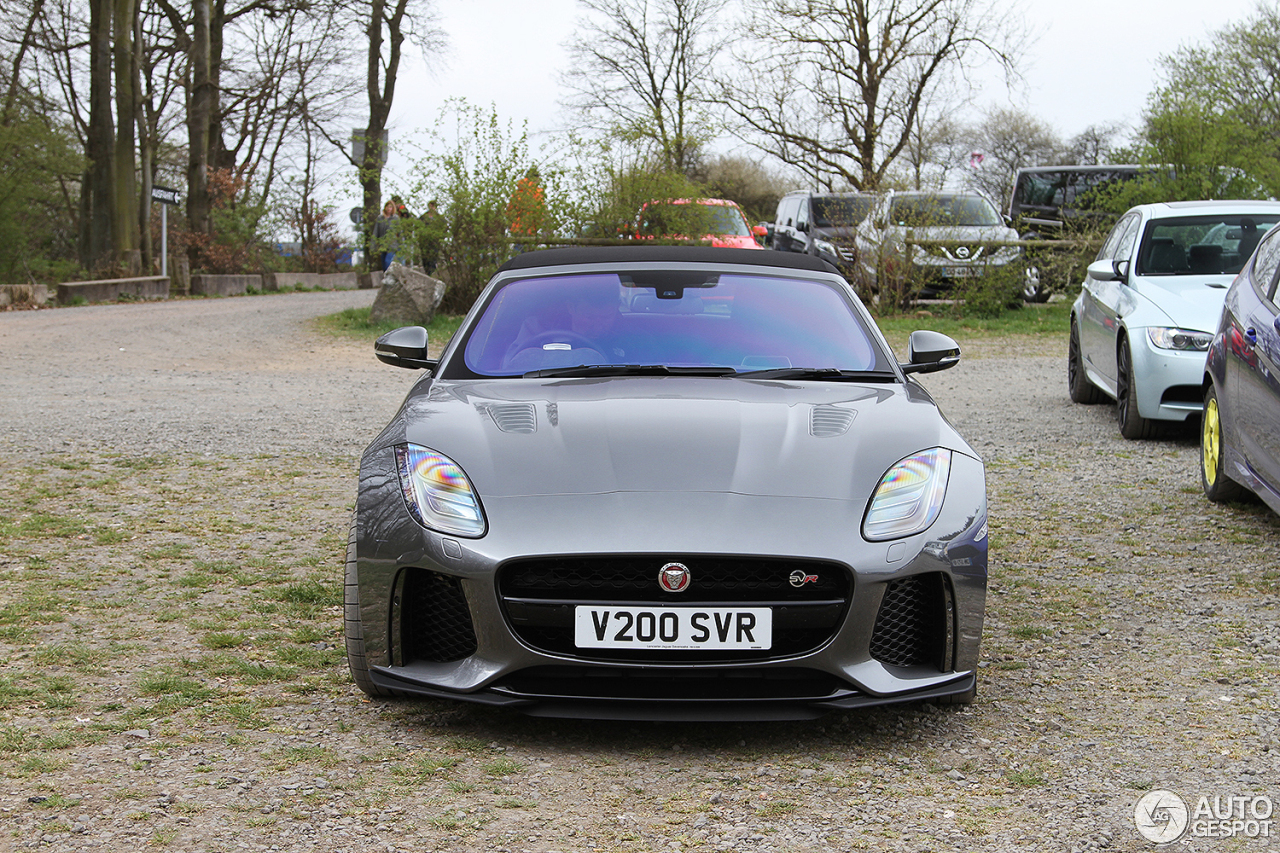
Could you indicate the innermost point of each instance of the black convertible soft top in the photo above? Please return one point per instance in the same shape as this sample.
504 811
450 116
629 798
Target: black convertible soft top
684 254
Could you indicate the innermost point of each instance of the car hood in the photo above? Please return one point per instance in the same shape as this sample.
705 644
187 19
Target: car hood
1189 301
959 233
673 434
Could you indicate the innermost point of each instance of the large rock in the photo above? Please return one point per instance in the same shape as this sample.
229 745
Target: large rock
406 298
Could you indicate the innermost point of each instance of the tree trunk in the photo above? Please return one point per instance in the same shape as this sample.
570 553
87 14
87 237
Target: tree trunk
97 243
199 122
125 196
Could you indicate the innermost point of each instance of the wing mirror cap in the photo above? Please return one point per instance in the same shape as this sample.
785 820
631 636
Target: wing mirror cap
1109 270
929 352
405 347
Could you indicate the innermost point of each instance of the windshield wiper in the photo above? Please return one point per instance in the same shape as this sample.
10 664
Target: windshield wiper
629 370
821 374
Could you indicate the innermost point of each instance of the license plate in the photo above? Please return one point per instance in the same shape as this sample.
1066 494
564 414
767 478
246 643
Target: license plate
744 628
961 272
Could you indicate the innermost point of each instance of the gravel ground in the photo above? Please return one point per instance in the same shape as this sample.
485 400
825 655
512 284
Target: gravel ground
175 480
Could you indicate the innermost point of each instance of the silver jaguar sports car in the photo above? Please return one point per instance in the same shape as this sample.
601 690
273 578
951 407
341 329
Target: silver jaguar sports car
670 483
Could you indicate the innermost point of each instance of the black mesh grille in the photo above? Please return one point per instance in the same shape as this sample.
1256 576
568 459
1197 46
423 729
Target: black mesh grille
539 596
435 624
628 578
911 625
628 683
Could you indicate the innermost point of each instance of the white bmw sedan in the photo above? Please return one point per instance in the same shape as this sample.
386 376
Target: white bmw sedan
1150 303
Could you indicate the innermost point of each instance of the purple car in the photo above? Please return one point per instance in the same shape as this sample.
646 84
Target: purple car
1239 442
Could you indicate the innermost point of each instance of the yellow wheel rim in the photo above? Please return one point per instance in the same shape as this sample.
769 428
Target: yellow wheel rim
1211 442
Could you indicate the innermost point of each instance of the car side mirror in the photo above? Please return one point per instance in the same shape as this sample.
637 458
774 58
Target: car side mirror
760 230
929 352
405 347
802 227
1109 270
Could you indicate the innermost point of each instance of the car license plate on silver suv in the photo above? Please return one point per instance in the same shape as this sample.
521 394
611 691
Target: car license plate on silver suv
743 628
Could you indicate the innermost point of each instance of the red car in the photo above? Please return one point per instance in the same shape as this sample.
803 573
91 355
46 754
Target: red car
721 221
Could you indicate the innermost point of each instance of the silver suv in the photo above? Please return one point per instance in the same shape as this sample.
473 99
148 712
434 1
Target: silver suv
960 236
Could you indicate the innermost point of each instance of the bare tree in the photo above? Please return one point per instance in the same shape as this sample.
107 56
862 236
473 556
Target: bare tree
641 69
1010 139
388 23
1094 145
836 87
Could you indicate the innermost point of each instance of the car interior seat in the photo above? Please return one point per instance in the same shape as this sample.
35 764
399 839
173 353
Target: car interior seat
1205 259
1165 256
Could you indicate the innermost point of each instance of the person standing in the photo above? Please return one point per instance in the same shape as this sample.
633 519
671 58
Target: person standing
432 237
382 235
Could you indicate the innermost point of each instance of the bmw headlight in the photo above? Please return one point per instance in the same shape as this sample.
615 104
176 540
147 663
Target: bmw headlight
1186 340
909 496
438 493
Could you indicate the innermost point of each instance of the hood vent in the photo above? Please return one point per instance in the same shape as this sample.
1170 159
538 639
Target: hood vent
514 417
829 421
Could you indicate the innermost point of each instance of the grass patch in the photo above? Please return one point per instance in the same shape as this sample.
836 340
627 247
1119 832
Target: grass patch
503 767
1051 318
354 323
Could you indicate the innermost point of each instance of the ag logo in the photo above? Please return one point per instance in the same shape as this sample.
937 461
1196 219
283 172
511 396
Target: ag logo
1161 816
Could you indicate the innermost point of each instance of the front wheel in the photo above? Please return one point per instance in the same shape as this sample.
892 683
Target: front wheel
1132 424
1034 289
354 625
1218 487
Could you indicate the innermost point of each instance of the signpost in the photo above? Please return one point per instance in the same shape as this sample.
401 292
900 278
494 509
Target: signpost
166 196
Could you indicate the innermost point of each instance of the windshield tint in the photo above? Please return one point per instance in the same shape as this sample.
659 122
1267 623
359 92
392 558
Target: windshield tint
678 318
837 211
924 211
677 220
1202 245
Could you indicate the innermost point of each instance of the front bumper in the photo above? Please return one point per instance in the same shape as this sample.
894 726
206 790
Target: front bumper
1167 382
488 657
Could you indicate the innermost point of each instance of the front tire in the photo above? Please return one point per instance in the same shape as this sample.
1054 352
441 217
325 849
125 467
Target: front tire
1078 384
1132 424
354 626
1218 487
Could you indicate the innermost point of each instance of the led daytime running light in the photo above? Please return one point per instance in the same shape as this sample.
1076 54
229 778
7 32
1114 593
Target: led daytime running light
909 496
1185 340
438 493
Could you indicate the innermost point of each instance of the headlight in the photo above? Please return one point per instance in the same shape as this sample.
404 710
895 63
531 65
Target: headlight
1180 339
824 246
908 497
438 494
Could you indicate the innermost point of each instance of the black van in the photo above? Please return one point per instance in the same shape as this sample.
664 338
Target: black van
820 224
1044 197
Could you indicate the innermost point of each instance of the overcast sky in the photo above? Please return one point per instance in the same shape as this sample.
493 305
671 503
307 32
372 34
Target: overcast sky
1092 61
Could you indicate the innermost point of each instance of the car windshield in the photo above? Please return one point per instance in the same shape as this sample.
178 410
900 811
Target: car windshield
924 211
1202 245
836 211
684 320
670 219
